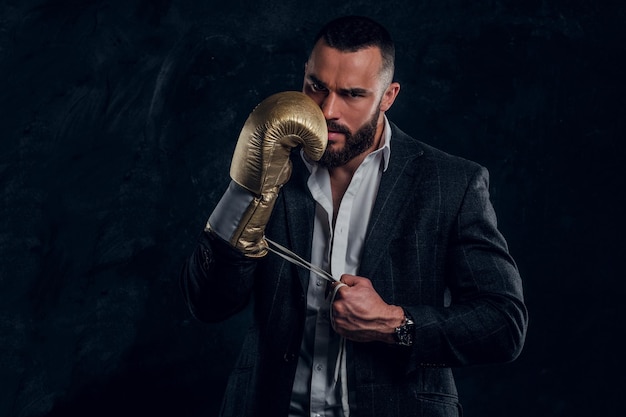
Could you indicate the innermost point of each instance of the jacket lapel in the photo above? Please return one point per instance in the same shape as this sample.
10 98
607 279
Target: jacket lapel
396 188
394 193
300 213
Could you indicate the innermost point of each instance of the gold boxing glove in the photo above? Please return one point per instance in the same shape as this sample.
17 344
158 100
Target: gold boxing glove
261 162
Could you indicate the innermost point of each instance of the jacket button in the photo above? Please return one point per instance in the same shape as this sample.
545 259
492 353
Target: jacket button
289 357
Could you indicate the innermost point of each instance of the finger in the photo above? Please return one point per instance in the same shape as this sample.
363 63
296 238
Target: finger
347 278
336 287
333 289
352 280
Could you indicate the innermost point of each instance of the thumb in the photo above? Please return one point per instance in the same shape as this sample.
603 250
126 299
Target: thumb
349 280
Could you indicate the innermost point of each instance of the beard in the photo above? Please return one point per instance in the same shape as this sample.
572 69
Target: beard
356 143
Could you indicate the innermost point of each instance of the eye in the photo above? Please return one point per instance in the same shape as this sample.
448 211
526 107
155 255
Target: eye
354 93
316 87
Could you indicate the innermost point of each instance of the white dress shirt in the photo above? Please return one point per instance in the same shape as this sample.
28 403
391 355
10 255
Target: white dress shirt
318 389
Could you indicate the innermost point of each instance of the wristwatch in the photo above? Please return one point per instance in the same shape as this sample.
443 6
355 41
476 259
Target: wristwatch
404 333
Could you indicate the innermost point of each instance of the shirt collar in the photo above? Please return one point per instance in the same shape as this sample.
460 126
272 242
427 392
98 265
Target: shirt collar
385 148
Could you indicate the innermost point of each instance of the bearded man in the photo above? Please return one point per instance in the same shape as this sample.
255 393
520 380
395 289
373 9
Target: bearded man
408 274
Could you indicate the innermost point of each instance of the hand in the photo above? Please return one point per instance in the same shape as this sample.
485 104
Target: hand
360 314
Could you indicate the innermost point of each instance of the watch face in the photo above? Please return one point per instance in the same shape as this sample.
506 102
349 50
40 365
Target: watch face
404 334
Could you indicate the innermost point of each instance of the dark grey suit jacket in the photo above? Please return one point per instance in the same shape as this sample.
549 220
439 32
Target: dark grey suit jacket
432 246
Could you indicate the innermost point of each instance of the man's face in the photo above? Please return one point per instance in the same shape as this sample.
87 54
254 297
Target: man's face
348 87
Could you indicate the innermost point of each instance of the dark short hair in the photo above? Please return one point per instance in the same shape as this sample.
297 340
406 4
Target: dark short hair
353 33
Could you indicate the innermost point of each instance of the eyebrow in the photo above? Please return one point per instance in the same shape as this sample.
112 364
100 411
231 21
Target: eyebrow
355 90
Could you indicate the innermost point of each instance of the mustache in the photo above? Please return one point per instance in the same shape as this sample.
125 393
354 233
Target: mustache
337 127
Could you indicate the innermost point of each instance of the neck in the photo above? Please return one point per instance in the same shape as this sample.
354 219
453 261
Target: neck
340 177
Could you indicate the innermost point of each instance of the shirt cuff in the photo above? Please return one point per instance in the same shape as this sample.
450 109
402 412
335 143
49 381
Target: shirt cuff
229 211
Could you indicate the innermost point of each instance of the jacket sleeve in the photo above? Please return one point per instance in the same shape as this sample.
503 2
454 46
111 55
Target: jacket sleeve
216 280
486 319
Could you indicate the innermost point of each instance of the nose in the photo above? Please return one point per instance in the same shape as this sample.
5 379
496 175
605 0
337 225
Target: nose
330 107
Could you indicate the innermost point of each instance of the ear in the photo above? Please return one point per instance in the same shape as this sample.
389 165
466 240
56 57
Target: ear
389 96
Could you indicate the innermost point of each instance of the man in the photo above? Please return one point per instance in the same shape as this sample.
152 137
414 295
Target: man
427 282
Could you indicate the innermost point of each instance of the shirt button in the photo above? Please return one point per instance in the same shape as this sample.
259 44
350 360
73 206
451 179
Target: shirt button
319 367
319 283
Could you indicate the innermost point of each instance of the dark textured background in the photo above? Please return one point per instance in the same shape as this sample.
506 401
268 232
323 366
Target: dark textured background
118 119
